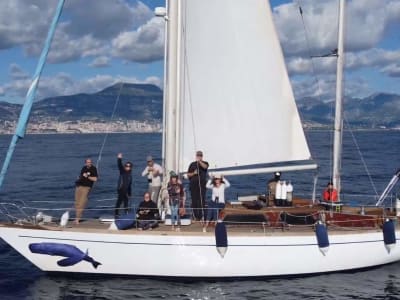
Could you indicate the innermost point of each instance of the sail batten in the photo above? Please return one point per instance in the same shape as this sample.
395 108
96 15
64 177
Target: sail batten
236 103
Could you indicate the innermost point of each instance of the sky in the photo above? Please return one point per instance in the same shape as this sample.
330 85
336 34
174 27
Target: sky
102 42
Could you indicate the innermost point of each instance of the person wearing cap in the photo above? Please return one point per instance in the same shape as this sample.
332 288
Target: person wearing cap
124 185
271 187
217 184
153 171
197 174
84 183
176 198
330 193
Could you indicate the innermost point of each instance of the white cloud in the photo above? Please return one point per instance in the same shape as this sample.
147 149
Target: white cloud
100 62
144 45
392 70
324 88
16 72
105 19
23 23
83 31
372 58
366 24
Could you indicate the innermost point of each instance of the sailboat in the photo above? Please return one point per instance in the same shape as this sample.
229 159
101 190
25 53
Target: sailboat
224 68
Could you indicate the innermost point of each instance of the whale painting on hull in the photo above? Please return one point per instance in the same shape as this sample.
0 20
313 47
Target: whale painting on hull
71 253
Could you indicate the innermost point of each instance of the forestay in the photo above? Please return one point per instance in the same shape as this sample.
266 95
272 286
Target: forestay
237 104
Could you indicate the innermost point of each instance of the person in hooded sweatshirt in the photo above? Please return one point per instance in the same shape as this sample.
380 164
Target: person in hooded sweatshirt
124 185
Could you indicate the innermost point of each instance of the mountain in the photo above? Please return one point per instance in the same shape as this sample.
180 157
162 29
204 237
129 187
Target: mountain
143 102
135 102
376 111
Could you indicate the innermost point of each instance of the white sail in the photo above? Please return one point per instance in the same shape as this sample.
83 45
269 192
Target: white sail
237 104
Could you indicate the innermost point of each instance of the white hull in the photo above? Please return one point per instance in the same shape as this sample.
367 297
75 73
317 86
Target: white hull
152 254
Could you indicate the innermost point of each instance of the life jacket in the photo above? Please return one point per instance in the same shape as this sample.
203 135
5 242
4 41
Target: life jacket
330 195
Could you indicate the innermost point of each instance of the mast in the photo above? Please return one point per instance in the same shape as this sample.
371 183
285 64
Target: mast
30 96
338 129
171 92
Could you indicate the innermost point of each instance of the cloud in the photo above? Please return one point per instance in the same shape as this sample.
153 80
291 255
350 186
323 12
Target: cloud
23 23
372 58
104 19
82 32
392 70
16 72
366 25
324 88
144 45
100 62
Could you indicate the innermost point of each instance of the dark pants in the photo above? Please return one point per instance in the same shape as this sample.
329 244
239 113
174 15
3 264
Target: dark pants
147 224
198 194
213 210
122 199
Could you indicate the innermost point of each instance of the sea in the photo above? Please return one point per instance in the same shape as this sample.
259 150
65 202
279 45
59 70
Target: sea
42 176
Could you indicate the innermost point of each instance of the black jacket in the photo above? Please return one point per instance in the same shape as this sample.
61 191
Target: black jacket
124 180
147 211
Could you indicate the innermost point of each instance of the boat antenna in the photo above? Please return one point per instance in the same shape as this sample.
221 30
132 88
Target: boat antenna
30 96
121 85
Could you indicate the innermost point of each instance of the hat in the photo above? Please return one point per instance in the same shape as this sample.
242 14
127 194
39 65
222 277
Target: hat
277 173
149 158
173 174
128 164
199 153
217 176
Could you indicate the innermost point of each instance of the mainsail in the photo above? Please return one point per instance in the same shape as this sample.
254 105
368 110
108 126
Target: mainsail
236 101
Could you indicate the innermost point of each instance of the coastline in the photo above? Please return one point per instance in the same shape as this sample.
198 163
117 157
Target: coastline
160 131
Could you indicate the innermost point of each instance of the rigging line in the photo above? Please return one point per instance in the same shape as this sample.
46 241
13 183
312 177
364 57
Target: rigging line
108 127
186 74
314 74
361 156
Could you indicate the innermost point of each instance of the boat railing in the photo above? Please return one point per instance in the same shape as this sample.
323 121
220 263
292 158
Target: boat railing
21 212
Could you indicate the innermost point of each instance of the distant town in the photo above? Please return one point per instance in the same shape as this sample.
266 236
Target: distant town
83 126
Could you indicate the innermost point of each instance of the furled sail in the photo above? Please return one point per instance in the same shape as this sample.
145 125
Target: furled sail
236 102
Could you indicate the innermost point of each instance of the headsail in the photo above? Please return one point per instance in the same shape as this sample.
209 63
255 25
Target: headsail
237 104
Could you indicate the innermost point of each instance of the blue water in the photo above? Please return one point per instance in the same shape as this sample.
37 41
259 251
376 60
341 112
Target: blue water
44 169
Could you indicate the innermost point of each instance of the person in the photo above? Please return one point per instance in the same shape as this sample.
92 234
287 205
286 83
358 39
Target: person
124 187
176 196
271 187
197 174
217 184
84 184
330 193
153 172
147 213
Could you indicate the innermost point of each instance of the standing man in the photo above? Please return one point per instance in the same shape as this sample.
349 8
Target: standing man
124 185
84 184
197 174
153 172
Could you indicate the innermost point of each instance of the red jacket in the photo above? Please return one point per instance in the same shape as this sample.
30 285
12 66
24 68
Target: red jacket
330 195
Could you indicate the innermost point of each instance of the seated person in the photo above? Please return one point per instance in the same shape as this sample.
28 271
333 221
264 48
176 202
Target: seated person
330 193
147 213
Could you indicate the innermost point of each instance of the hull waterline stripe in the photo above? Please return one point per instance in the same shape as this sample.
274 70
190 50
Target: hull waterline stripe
192 245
